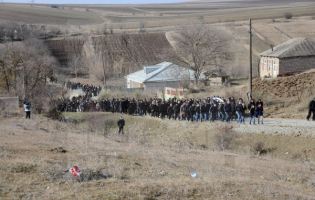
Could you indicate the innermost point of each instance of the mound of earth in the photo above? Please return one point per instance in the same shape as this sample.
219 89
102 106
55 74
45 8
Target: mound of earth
286 87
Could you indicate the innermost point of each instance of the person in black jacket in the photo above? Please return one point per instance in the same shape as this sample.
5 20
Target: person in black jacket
176 109
242 112
228 110
259 102
163 110
154 109
221 111
192 112
233 113
252 102
113 104
170 111
203 112
208 105
238 109
188 116
311 110
198 114
121 124
141 107
213 111
252 113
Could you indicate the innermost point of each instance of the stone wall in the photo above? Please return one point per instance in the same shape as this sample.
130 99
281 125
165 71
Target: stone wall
9 103
296 65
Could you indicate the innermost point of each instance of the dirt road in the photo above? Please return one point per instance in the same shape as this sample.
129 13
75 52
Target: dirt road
292 127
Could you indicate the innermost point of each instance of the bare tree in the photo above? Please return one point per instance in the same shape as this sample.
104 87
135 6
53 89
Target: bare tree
182 75
198 46
24 67
75 64
103 68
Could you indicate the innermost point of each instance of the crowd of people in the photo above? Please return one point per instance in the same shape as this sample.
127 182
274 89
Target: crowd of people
81 103
207 109
88 90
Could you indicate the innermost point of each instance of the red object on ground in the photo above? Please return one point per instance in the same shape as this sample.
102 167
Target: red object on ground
75 171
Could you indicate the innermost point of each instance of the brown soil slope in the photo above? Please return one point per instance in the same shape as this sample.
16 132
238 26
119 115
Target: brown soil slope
286 87
286 97
66 49
143 49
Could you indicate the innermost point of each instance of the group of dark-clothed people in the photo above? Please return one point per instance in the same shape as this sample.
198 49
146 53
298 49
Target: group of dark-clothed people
207 109
88 90
78 104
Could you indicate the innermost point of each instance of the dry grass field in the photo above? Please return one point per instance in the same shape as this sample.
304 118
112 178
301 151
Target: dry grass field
152 160
44 14
156 15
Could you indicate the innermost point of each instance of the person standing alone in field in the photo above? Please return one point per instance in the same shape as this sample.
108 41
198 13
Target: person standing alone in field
311 110
27 107
121 124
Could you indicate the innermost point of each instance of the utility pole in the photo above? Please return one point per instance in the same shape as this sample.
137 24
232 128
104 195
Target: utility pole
250 57
104 73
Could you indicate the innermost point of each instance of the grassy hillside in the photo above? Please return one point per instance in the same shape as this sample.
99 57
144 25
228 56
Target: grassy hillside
152 160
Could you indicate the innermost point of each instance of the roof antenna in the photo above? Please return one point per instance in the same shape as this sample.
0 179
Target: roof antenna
271 47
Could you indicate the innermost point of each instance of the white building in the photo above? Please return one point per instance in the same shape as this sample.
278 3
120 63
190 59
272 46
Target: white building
157 77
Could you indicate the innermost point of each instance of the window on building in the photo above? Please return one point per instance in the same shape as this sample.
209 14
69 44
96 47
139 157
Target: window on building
274 65
265 65
269 65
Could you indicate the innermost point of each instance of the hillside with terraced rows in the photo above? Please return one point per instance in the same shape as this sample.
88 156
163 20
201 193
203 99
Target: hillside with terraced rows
143 49
66 49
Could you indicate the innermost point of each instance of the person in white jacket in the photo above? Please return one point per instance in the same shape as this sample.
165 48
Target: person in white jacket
27 107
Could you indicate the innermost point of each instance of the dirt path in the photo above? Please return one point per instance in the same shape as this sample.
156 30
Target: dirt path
290 127
272 126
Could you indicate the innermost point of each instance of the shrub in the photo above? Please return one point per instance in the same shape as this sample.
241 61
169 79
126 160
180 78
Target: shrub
224 138
258 147
52 110
97 124
287 15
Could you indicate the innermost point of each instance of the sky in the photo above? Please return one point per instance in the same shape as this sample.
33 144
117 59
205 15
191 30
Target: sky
93 1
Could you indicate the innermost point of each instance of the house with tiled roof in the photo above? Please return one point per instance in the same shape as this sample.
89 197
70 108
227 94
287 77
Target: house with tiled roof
294 56
157 77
